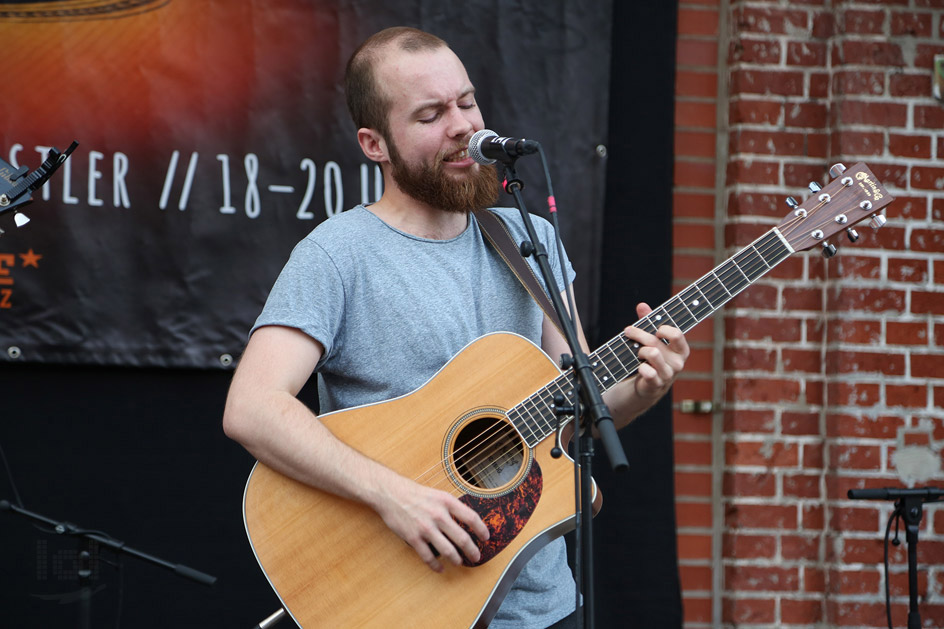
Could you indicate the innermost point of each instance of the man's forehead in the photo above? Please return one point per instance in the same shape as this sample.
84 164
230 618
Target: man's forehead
426 75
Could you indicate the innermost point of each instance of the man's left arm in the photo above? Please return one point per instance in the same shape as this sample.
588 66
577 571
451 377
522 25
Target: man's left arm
661 363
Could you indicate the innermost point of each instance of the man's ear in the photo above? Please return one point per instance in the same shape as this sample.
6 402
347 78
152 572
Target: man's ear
373 145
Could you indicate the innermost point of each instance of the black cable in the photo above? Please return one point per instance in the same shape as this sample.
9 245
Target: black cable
16 494
894 517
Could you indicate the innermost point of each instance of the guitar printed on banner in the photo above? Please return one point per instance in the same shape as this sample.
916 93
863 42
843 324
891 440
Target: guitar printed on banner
483 427
17 183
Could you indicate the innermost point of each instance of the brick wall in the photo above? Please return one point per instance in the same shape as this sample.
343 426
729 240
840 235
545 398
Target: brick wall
826 374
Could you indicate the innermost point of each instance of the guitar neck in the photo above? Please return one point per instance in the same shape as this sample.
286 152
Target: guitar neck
618 360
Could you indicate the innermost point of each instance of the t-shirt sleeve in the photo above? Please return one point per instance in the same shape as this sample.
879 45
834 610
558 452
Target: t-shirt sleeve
308 295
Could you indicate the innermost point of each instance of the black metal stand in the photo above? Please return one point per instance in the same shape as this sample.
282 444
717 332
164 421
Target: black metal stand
61 527
909 505
598 415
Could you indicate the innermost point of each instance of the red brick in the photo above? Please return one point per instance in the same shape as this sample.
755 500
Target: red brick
695 484
858 142
776 329
863 394
876 53
924 57
802 485
799 176
741 420
854 331
692 236
697 609
768 142
697 22
806 53
801 612
800 423
915 207
913 146
753 171
696 84
695 143
813 455
908 270
764 516
695 114
869 300
761 453
694 546
796 547
756 204
690 267
813 517
928 240
856 519
850 582
839 425
864 267
695 578
869 551
858 82
696 52
907 23
693 205
769 21
846 361
752 111
747 358
743 546
748 484
779 83
694 174
906 333
863 22
693 514
761 578
926 303
856 457
824 25
914 395
928 118
749 611
692 452
859 613
805 115
917 85
927 365
745 50
927 178
879 114
803 298
801 361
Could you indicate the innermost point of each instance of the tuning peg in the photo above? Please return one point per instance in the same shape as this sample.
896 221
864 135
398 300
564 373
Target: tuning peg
878 221
837 169
792 203
815 187
828 250
20 219
852 234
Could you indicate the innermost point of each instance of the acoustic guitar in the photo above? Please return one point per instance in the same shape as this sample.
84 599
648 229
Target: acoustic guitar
483 428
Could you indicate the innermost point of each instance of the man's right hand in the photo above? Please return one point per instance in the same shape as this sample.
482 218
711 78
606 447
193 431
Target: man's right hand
428 519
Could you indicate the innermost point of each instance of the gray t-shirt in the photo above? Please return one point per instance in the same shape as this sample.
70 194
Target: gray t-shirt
391 309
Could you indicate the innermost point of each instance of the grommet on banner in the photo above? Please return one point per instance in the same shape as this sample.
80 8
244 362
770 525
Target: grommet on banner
226 360
14 352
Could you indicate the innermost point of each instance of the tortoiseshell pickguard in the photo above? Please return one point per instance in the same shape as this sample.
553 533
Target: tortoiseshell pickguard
507 514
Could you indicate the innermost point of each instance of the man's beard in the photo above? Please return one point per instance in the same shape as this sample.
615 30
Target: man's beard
430 184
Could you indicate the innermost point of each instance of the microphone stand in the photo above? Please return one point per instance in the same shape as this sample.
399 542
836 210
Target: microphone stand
589 392
908 505
103 539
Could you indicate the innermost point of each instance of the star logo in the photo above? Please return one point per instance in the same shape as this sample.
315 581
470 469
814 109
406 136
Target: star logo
30 259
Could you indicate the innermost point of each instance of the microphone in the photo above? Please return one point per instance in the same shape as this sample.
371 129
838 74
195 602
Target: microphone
485 147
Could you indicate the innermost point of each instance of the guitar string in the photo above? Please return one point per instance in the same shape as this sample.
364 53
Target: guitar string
500 435
485 439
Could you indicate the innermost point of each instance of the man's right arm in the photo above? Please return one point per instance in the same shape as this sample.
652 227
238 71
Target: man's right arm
264 415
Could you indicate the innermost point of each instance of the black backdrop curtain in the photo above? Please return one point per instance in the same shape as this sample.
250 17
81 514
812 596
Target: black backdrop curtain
138 451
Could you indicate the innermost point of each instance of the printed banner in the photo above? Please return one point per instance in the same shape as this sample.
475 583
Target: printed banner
213 135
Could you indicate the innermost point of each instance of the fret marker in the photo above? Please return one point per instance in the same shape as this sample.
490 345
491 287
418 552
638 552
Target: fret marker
635 345
658 317
695 303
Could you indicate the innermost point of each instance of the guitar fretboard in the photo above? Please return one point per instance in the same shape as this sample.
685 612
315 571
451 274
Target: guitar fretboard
618 360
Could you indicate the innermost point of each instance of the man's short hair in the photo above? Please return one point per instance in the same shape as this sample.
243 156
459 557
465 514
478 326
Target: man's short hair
366 100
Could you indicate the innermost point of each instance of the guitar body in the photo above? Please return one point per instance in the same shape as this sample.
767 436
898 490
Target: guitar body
333 562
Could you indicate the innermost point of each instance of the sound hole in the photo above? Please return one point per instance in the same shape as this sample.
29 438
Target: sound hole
488 453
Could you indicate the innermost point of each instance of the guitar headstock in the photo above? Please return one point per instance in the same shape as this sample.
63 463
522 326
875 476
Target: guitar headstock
853 196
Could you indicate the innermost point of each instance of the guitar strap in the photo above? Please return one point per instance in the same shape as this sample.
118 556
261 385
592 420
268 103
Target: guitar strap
497 233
